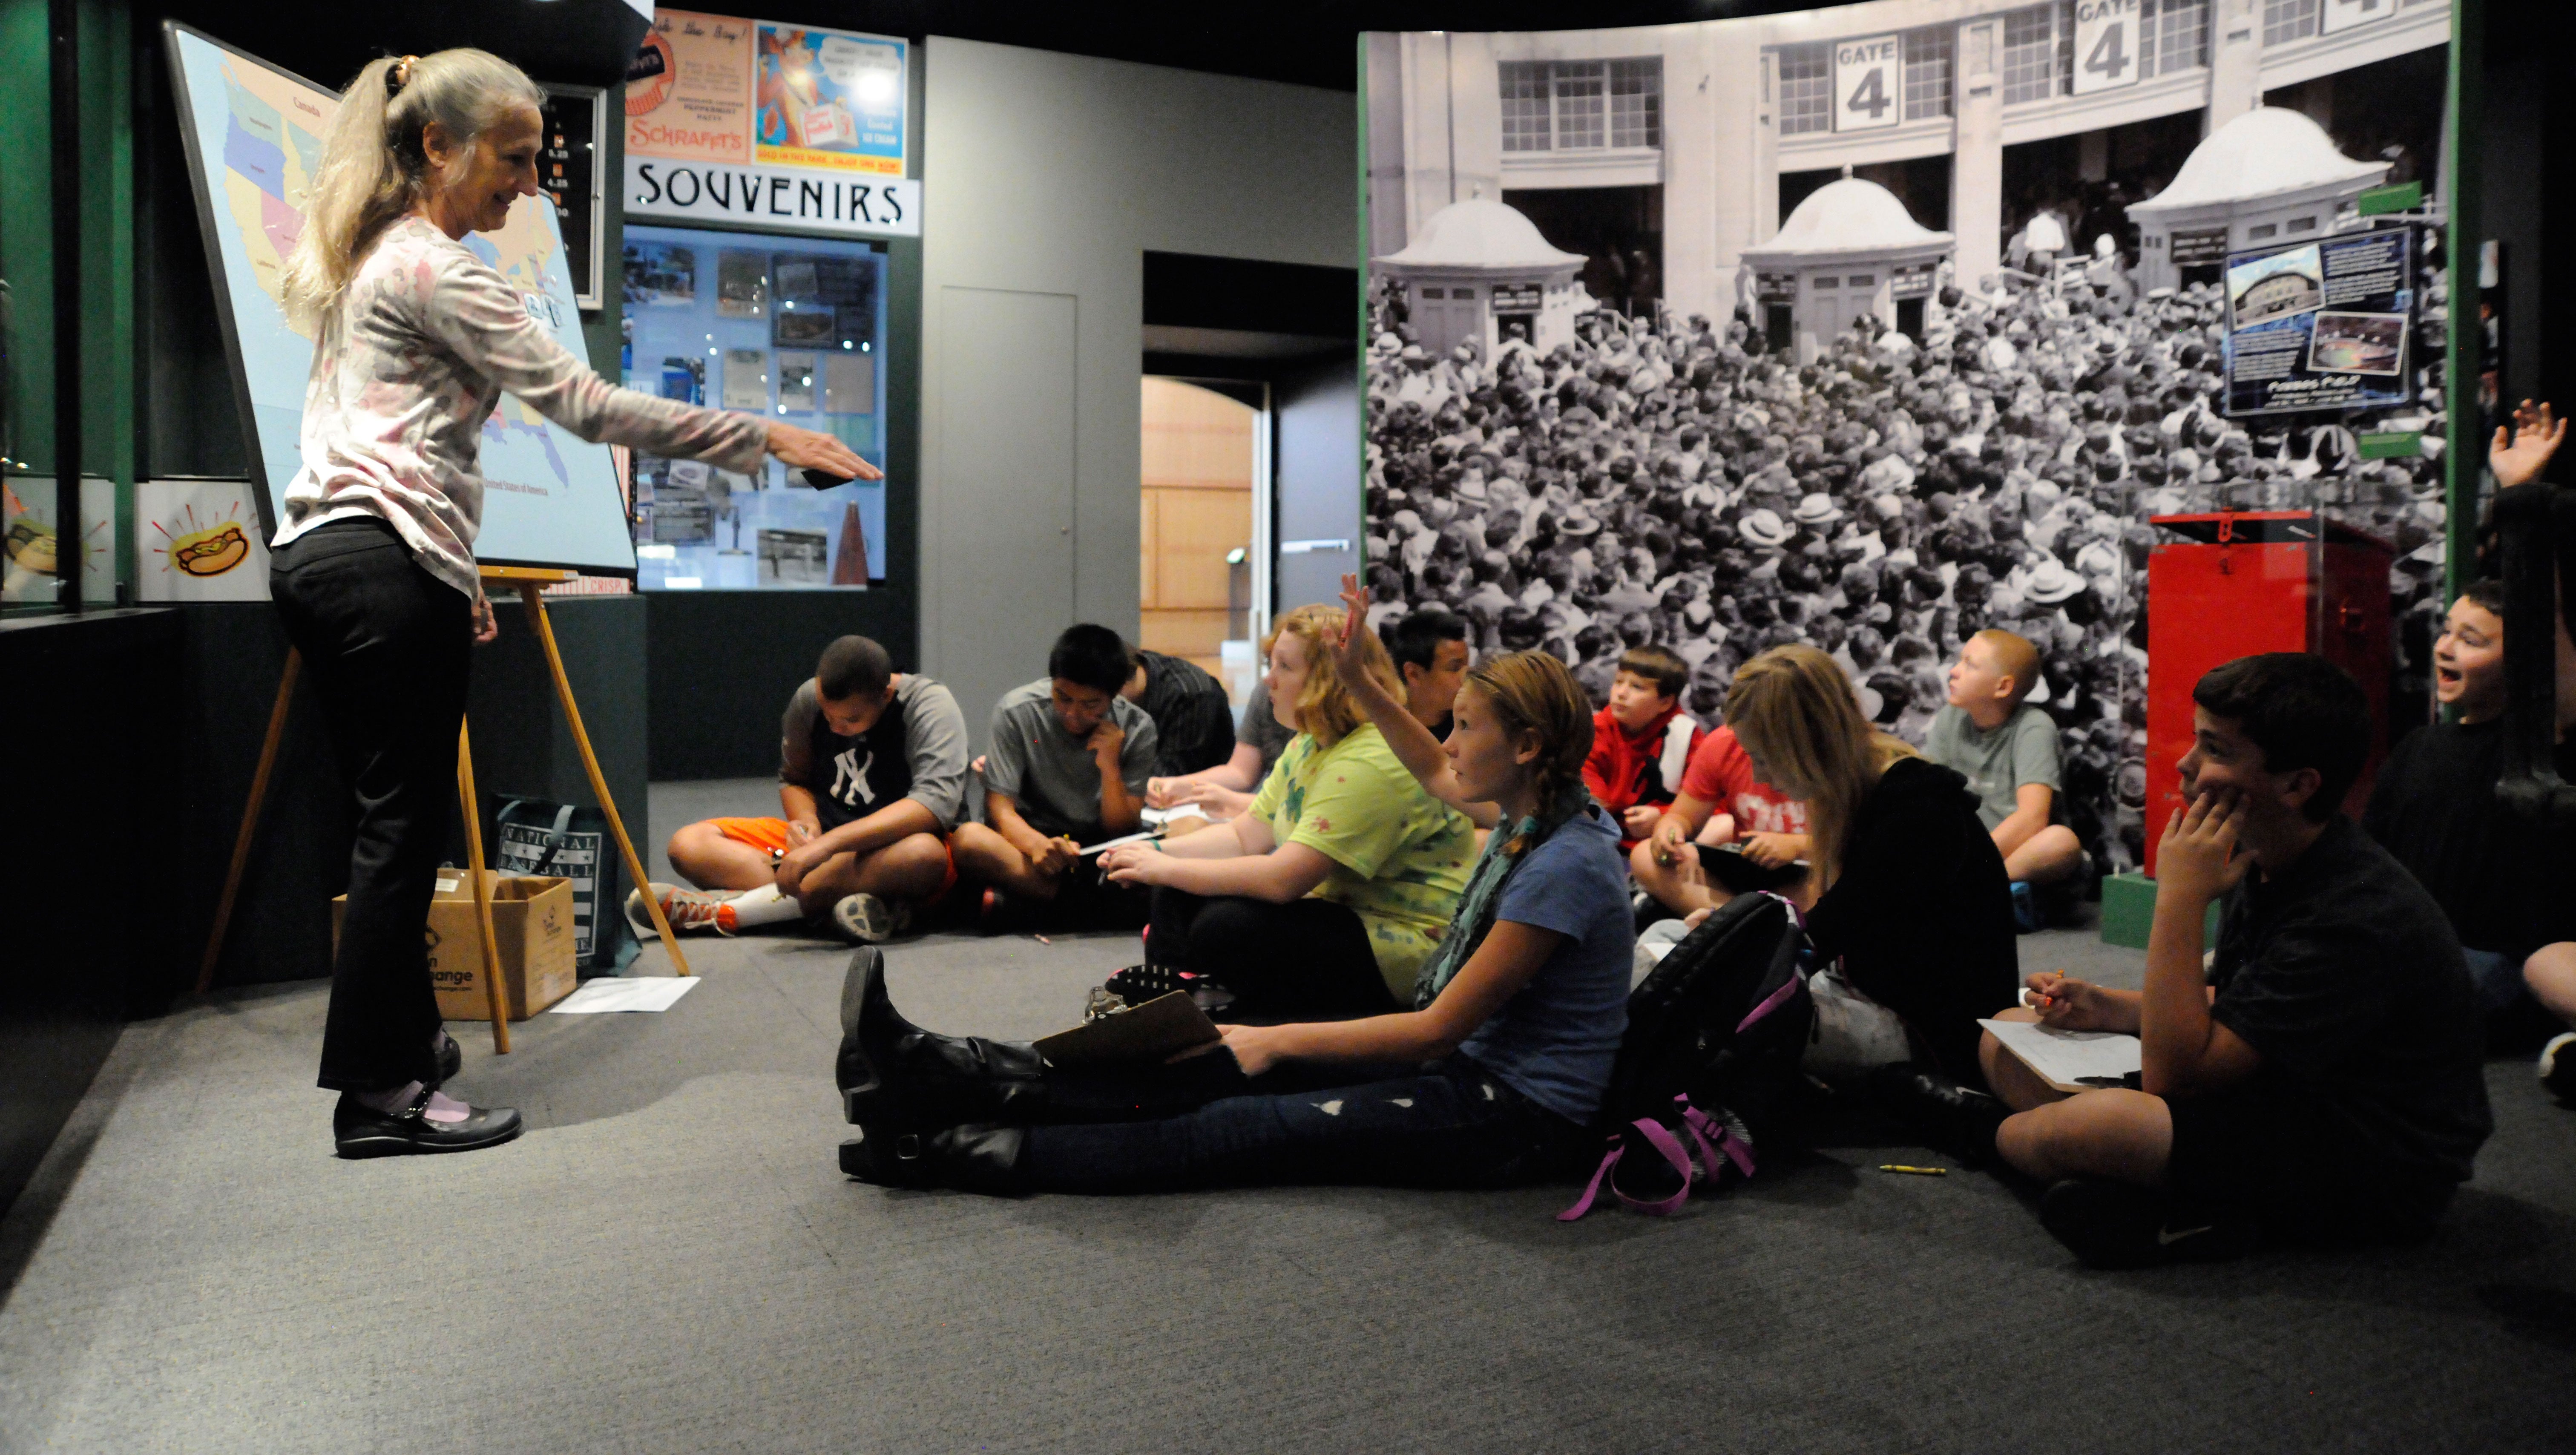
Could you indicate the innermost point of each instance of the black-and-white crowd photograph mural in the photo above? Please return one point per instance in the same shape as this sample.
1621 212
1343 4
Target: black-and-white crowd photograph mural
1877 327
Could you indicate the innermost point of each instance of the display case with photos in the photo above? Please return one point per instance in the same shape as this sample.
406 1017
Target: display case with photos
791 328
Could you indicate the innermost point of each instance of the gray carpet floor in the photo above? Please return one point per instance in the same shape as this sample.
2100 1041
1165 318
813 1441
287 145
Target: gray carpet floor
669 1261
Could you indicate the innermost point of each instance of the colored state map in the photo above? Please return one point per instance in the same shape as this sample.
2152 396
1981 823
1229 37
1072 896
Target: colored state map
551 497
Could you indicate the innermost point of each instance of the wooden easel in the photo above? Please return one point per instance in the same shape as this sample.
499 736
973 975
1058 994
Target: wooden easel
531 583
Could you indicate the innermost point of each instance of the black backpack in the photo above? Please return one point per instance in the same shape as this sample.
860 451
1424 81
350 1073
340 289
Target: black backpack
1709 1065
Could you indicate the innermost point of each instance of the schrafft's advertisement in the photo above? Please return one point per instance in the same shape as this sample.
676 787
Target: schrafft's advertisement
2321 325
688 94
741 120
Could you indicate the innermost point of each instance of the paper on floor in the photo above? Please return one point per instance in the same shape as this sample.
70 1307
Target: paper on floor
641 992
2067 1057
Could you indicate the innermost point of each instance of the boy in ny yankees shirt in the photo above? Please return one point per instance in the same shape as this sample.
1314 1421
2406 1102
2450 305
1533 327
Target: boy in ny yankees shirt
871 778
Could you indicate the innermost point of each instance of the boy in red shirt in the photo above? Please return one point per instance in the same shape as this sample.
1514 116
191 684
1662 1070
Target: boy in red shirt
1721 803
1641 741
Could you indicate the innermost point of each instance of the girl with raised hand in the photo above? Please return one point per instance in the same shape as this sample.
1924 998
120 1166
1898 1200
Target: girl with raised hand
415 338
1327 896
1492 1078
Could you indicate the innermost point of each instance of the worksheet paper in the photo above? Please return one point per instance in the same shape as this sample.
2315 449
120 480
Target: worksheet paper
610 992
2065 1057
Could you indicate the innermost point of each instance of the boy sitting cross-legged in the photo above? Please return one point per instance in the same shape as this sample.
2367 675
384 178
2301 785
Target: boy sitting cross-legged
871 778
2328 1088
2007 750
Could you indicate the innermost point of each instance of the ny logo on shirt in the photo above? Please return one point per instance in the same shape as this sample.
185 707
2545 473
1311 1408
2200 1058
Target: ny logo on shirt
850 776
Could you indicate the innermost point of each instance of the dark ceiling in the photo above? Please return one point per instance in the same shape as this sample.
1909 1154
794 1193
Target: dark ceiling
1312 44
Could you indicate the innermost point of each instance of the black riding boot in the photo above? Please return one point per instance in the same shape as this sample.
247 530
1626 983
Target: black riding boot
981 1159
895 1075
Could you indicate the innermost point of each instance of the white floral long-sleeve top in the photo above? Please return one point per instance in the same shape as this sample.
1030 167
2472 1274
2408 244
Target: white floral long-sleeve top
410 366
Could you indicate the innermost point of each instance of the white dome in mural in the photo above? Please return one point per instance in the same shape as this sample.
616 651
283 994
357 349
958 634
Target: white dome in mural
1480 233
1850 214
2263 153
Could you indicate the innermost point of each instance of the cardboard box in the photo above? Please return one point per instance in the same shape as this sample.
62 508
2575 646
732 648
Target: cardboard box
532 918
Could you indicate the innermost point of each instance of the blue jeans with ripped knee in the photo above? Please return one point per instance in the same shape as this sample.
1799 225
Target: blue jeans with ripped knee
1450 1124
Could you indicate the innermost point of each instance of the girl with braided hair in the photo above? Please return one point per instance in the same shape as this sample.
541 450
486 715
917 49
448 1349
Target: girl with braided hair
1491 1078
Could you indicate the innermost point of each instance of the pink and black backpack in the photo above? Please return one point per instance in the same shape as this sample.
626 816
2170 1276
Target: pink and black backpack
1709 1066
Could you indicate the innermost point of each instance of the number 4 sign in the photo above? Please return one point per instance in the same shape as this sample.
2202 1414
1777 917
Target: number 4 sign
2106 45
1867 89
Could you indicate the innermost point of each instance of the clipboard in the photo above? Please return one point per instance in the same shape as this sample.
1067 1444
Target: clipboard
1158 1030
2070 1061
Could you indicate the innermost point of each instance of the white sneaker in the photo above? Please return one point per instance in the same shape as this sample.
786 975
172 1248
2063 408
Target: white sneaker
2558 1066
686 909
867 920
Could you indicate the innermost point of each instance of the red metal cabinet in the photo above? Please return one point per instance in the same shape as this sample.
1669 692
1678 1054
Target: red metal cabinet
2261 581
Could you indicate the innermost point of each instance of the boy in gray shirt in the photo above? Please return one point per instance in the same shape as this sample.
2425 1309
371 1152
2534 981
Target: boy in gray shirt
1067 768
871 779
2007 750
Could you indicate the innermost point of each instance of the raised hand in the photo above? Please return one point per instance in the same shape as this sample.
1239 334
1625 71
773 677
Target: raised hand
2522 449
1346 647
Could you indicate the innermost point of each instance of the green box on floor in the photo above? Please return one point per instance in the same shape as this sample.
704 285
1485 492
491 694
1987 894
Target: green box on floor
2129 911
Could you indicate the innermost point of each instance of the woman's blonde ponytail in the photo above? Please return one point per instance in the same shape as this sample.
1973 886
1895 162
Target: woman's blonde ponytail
373 168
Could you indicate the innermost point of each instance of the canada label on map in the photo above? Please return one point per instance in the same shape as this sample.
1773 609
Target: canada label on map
254 136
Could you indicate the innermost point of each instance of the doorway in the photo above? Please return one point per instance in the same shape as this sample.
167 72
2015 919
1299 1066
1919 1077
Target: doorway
1204 458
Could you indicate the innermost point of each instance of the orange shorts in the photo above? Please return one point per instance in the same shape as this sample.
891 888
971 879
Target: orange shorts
770 836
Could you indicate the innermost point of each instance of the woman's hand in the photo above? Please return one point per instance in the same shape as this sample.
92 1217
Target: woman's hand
808 449
487 627
1255 1048
2073 1005
1136 864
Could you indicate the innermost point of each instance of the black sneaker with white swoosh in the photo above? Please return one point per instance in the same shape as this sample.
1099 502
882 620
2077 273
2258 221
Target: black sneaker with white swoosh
2114 1225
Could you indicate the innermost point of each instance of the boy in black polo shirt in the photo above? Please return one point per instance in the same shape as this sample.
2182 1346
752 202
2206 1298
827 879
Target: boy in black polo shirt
2329 1087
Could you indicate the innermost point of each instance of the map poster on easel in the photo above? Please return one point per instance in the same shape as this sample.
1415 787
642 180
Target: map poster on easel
254 139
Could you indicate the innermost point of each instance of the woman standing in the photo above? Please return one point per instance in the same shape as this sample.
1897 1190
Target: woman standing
1327 896
373 566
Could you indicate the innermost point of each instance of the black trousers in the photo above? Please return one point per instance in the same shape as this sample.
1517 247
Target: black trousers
1308 959
1447 1124
388 648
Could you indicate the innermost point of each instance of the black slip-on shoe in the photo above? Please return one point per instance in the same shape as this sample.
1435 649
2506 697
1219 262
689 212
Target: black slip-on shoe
1953 1118
361 1131
451 1059
2558 1067
2108 1224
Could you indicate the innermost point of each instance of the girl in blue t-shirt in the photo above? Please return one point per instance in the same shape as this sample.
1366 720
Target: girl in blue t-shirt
1492 1078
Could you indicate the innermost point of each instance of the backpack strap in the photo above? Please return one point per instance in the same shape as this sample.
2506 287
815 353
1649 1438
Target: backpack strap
1592 1189
1715 1137
1664 1142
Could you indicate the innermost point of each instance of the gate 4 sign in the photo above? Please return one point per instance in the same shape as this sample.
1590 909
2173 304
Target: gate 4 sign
1868 90
2345 14
2106 45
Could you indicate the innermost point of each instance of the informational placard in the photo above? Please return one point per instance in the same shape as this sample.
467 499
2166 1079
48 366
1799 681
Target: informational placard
568 171
1912 280
1869 89
2106 45
2321 325
254 136
2198 247
730 119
